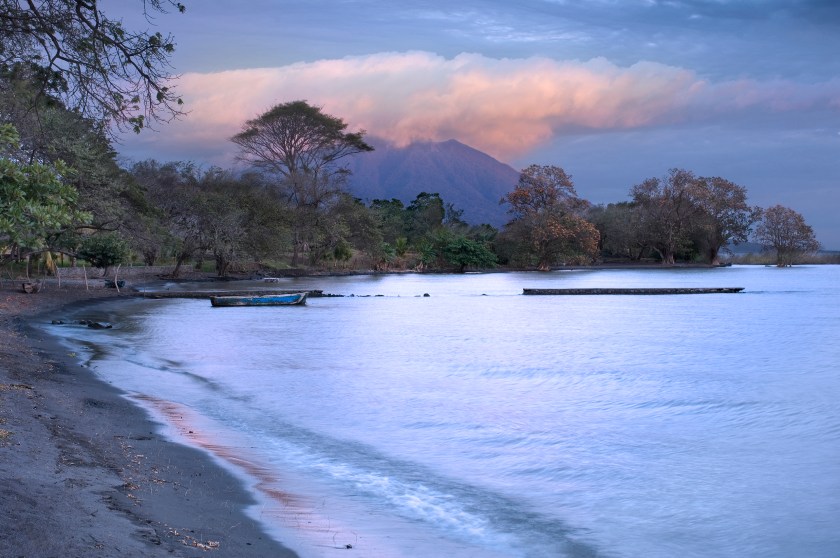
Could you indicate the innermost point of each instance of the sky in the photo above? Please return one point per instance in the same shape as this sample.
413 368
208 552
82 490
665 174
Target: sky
612 91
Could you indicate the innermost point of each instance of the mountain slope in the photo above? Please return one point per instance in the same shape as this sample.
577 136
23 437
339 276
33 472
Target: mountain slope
463 176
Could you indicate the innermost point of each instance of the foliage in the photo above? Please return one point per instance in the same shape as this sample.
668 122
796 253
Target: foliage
725 217
548 222
36 202
667 212
619 230
784 230
390 217
297 139
52 133
92 62
463 252
424 215
302 147
104 250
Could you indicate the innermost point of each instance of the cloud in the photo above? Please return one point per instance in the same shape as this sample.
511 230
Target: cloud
504 107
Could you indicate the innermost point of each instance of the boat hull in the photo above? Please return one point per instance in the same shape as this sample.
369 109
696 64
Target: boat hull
293 299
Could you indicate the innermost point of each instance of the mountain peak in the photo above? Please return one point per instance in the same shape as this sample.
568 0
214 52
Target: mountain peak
463 176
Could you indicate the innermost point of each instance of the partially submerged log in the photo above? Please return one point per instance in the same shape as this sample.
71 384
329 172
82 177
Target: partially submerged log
634 291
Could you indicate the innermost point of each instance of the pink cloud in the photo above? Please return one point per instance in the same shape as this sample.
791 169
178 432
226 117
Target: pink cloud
505 107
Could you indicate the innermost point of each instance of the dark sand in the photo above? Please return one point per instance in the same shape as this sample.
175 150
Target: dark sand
83 472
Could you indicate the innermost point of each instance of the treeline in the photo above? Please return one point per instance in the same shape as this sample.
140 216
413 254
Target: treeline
62 192
69 75
245 222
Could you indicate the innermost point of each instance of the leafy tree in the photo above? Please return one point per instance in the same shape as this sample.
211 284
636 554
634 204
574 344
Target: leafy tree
36 203
92 62
221 217
303 147
53 133
361 224
391 217
548 223
725 217
173 193
463 252
619 229
784 230
104 250
268 221
667 212
423 216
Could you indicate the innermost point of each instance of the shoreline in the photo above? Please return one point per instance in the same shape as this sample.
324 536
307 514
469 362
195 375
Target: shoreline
84 471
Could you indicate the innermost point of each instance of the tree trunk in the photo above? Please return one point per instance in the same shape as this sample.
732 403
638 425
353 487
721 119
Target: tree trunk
714 256
178 261
667 257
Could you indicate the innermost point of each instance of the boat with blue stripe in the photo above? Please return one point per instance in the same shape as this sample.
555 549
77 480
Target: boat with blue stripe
280 299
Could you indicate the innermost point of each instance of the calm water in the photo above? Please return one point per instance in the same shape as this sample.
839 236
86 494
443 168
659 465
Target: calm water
480 422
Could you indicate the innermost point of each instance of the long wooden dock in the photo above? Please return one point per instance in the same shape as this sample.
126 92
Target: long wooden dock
635 291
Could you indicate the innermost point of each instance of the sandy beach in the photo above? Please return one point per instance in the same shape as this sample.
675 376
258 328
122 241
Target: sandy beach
83 472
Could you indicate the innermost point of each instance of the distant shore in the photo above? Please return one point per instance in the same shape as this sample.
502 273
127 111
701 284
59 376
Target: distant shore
84 472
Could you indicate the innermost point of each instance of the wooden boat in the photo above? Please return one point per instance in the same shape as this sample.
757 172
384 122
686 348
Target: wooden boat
280 299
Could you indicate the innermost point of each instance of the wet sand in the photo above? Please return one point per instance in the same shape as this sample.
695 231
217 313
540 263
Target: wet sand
83 471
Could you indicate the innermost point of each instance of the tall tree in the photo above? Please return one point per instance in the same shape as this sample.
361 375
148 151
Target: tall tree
667 212
548 218
784 230
92 62
725 217
304 148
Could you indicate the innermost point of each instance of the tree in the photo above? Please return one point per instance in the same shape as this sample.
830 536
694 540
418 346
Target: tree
362 225
390 216
93 63
172 192
52 133
548 222
725 217
221 217
36 202
423 216
303 147
463 252
104 250
784 230
619 228
667 212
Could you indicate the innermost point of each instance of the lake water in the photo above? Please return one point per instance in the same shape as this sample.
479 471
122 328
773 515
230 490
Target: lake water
480 422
